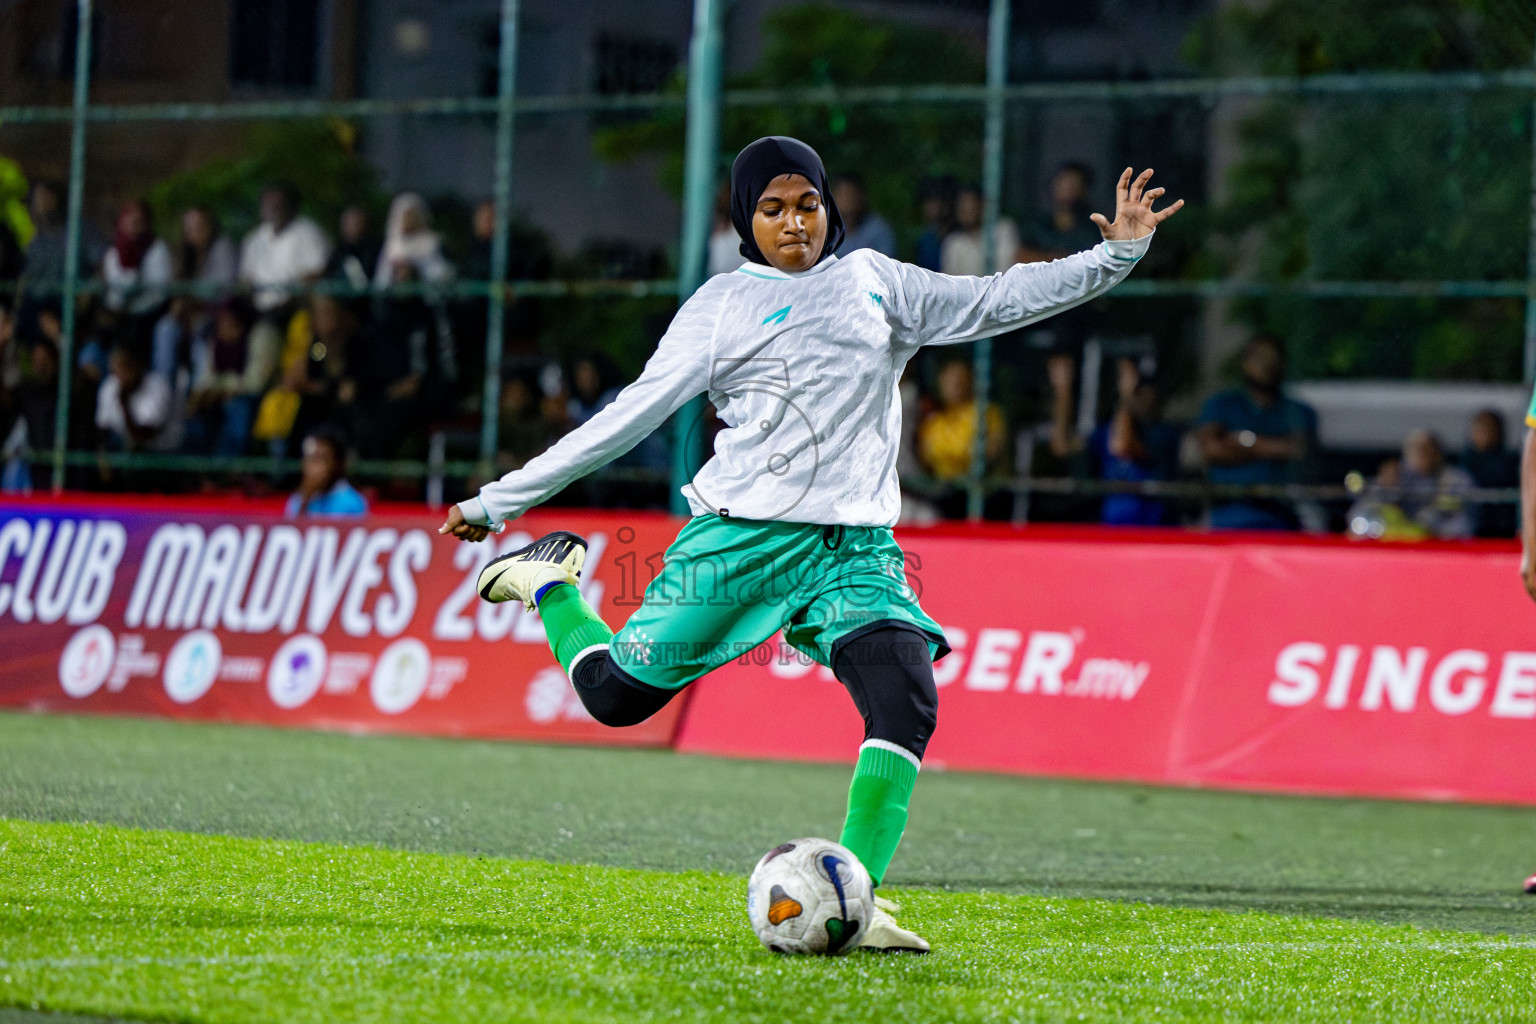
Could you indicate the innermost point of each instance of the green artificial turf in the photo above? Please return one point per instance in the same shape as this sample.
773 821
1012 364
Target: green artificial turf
172 926
1435 865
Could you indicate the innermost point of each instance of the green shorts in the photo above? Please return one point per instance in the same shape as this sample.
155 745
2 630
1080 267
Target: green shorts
728 585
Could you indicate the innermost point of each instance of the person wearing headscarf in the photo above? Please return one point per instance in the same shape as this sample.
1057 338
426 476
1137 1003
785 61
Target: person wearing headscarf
801 352
412 250
138 266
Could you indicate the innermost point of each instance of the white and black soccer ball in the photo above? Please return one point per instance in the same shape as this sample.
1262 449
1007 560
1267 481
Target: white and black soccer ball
810 896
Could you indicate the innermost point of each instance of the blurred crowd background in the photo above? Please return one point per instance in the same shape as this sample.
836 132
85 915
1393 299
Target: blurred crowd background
1333 337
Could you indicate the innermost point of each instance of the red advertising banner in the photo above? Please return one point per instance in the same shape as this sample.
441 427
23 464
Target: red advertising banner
1335 668
234 614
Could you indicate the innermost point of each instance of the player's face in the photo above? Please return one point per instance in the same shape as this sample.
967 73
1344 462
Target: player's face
790 223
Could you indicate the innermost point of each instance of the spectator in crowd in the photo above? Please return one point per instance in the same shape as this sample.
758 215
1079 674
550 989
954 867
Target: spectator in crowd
938 204
947 436
1491 465
138 267
136 407
1064 228
323 486
357 253
206 257
286 250
412 250
865 228
1255 434
590 391
524 430
409 365
724 243
46 251
962 252
233 363
1417 496
1135 446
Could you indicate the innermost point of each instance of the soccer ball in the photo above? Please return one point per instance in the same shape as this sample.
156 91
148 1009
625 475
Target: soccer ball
810 896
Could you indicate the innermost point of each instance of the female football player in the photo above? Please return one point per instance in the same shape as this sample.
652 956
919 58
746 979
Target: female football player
800 352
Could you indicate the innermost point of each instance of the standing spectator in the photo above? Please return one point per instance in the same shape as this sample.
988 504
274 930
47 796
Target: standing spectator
1064 228
1135 446
323 486
524 430
1255 434
206 258
138 266
962 253
46 252
865 228
947 435
1491 465
284 251
938 202
590 392
356 250
136 408
412 250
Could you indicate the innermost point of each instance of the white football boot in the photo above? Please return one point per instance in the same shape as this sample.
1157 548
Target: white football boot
517 575
886 936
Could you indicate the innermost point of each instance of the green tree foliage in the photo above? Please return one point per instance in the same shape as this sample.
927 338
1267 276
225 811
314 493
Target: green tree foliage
891 146
13 201
316 155
1374 188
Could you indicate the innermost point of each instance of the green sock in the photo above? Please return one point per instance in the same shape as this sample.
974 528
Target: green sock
570 624
877 806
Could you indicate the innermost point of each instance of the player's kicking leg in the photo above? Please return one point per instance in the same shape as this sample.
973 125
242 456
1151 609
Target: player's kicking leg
889 673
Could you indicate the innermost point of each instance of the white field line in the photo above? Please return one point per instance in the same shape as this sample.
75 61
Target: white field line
1172 949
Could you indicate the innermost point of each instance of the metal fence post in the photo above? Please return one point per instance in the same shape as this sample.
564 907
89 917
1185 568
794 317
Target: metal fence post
706 59
496 314
72 240
991 192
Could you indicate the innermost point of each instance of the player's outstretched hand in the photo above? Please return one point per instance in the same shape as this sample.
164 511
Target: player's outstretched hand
1528 573
456 526
1134 216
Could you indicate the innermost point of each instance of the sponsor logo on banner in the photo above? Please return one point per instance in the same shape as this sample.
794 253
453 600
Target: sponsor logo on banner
87 661
1387 678
550 698
297 670
400 677
192 666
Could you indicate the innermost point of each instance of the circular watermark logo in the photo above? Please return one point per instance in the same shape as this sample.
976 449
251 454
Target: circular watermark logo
87 660
780 443
296 671
192 666
400 676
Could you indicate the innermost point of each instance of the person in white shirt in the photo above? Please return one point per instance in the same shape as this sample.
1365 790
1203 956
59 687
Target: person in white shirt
284 251
138 266
135 409
412 250
801 353
962 250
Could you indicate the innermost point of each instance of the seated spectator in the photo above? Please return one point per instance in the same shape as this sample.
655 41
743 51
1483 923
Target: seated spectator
412 250
1064 228
135 407
590 392
938 202
947 435
1255 434
323 486
523 430
865 228
1418 496
206 257
284 251
233 363
138 266
1491 465
405 372
37 402
1135 446
357 253
962 252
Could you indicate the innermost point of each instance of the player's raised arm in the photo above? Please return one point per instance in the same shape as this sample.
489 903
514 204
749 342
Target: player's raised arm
678 370
936 309
1528 508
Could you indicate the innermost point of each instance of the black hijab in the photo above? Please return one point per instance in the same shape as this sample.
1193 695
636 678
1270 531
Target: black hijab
759 164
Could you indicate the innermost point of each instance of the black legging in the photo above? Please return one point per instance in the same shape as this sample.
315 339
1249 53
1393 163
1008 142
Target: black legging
888 671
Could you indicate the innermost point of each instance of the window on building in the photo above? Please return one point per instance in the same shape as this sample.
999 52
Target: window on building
275 44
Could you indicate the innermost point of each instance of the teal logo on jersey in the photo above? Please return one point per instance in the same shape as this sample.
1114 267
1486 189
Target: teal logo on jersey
776 317
876 299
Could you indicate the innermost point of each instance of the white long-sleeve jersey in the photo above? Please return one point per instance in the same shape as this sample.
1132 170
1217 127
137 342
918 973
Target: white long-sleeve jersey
803 371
